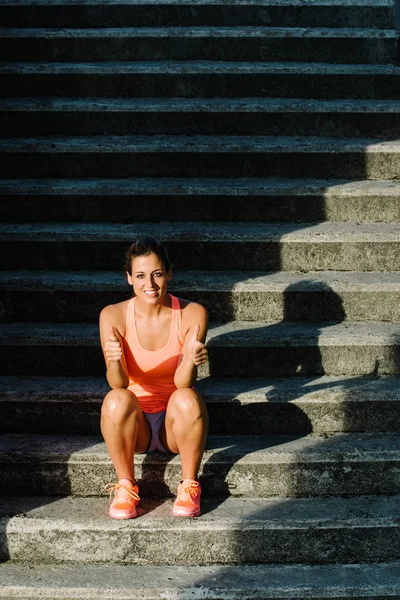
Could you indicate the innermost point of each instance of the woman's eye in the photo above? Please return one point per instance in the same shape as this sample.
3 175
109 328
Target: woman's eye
157 274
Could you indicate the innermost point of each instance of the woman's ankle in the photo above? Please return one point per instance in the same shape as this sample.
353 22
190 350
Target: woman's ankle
127 482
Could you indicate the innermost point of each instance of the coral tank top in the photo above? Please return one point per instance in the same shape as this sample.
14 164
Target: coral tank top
151 372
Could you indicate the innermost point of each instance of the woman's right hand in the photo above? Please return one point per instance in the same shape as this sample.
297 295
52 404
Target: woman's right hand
112 347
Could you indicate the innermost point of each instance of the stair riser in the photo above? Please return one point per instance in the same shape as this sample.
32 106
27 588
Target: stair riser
226 418
324 124
241 582
319 165
339 50
224 361
306 306
139 207
217 545
268 256
240 85
103 15
342 477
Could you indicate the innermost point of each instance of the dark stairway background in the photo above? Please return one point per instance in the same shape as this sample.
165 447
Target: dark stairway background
260 142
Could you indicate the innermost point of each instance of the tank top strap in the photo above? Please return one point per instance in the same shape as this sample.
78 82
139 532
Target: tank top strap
177 316
130 326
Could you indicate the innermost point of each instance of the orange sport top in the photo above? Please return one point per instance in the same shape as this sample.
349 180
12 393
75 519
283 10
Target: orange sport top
151 372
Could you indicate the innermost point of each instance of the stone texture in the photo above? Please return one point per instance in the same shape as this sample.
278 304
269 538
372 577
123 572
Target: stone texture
260 140
244 582
236 406
38 117
373 13
200 79
254 349
250 200
232 532
194 156
251 246
255 466
307 297
258 44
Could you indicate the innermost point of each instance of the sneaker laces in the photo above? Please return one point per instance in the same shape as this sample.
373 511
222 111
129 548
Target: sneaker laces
128 494
187 490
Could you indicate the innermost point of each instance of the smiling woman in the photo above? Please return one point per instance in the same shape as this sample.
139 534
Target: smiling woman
152 345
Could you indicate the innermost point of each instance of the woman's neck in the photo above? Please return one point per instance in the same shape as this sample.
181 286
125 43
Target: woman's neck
151 312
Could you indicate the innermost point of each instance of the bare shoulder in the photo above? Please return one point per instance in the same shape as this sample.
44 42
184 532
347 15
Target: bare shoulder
114 315
193 313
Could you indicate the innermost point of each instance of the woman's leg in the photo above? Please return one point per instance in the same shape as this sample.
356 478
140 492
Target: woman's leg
185 429
125 430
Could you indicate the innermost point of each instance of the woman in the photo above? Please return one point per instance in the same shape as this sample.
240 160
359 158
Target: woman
153 344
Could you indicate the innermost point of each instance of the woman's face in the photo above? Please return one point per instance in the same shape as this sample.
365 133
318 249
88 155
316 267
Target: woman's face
149 279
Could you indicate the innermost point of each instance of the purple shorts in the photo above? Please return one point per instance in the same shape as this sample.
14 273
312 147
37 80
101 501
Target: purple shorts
155 420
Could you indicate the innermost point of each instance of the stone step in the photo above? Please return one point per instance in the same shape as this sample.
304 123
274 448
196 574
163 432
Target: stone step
236 349
343 464
220 116
235 531
244 582
200 79
196 156
310 13
315 297
260 44
247 246
71 406
247 200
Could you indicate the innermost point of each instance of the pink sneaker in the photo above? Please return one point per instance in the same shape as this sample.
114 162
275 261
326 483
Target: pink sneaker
123 505
187 503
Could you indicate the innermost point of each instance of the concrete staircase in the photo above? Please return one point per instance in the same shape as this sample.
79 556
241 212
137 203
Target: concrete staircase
260 142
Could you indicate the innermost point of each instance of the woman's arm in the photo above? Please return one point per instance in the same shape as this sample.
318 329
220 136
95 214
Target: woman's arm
111 343
194 351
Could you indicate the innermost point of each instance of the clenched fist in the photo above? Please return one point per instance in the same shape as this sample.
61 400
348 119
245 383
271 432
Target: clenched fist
197 350
112 347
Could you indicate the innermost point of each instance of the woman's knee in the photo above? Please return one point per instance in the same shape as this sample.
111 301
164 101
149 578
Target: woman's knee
119 404
188 403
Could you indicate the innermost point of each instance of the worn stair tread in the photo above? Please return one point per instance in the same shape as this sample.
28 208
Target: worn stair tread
225 105
27 514
215 186
313 296
304 390
229 531
259 466
337 3
191 281
328 404
198 143
235 334
197 67
199 31
238 449
324 232
244 582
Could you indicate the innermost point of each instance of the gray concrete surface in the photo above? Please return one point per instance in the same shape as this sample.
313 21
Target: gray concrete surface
246 582
232 532
256 466
251 200
236 406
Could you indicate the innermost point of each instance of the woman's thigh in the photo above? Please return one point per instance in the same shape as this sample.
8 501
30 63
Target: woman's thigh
183 400
124 403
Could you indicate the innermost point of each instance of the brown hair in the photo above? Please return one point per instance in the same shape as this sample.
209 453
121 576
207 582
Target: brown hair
144 247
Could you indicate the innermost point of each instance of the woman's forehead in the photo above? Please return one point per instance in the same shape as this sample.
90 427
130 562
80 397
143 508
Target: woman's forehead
150 261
